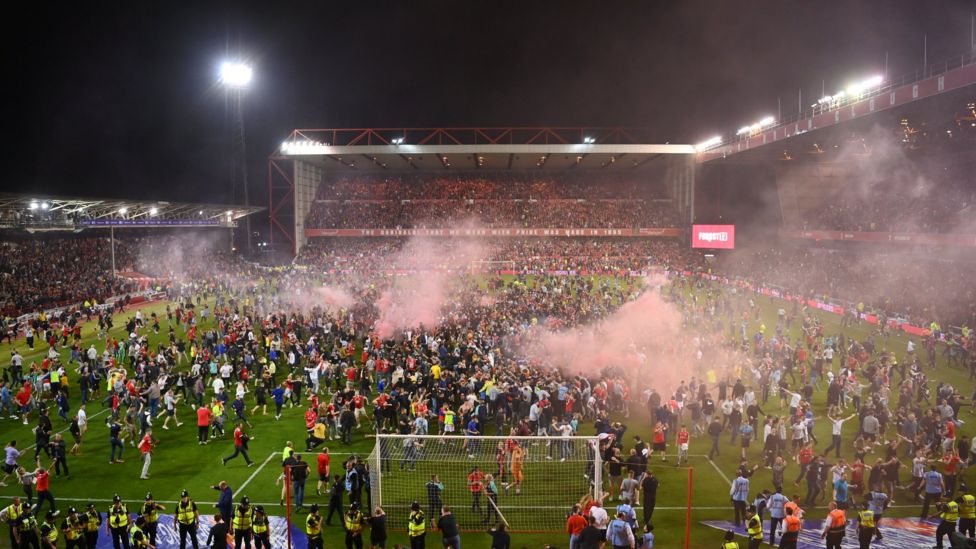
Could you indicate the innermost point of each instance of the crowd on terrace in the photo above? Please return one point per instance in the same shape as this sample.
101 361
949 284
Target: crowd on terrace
437 202
922 288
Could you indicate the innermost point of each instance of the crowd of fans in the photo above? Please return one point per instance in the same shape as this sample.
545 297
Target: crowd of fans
922 288
939 211
46 272
562 213
909 180
437 202
489 187
590 255
475 369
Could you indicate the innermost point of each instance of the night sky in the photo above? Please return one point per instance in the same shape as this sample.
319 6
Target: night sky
123 101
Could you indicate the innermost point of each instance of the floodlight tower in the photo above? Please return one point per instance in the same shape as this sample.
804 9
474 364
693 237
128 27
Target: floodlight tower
236 77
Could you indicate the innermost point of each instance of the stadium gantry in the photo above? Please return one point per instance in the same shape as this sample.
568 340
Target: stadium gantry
307 157
35 213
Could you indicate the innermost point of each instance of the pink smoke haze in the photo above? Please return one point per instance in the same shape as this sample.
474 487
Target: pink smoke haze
418 299
644 339
334 298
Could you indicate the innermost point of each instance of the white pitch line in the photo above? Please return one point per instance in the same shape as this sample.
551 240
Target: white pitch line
255 473
721 474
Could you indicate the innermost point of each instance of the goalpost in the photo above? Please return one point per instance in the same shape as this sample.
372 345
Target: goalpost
537 479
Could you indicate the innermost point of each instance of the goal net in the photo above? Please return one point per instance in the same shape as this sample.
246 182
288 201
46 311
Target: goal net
527 483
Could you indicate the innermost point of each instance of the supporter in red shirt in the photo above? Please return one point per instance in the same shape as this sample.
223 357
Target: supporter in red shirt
575 524
43 478
323 465
203 424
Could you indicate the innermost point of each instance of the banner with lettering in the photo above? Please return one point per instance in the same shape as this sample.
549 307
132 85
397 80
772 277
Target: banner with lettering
512 232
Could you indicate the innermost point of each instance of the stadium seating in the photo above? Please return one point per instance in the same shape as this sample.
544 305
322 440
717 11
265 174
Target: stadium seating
920 287
498 202
47 272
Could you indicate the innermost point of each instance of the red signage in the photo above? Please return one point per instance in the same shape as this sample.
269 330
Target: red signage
499 232
713 236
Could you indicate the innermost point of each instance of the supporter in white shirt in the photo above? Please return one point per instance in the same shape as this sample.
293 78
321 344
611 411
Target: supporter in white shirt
600 517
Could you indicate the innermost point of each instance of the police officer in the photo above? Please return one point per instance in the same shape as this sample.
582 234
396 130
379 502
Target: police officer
11 515
313 527
353 523
866 526
967 514
754 527
187 520
73 530
949 513
49 531
261 529
730 542
92 521
150 512
27 531
137 537
118 523
242 522
416 526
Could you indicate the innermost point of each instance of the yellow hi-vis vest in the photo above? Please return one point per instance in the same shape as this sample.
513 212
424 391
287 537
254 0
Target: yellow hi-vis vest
71 528
150 514
730 545
754 527
968 510
354 522
52 533
951 512
118 517
866 519
13 513
132 535
243 518
186 514
313 526
26 523
94 521
260 525
417 524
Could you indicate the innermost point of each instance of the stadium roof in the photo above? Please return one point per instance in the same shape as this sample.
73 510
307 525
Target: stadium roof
472 149
37 212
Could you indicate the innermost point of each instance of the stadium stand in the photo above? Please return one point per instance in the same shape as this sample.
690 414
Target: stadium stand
436 202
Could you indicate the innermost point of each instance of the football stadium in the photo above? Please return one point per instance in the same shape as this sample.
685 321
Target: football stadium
656 329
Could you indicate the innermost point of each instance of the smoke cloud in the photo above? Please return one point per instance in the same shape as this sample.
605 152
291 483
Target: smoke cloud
419 299
644 339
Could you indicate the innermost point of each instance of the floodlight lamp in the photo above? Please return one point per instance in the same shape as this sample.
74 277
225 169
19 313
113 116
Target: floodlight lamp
153 211
235 75
123 210
32 206
45 205
708 143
